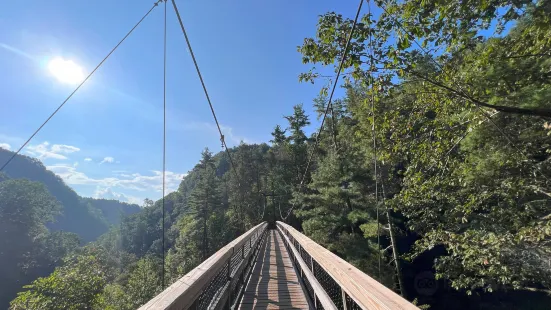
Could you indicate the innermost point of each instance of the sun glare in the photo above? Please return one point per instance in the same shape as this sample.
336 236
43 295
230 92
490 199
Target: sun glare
66 71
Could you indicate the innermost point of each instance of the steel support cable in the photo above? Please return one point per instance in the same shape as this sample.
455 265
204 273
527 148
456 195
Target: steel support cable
460 92
204 88
395 255
341 65
280 214
164 147
78 87
263 210
374 132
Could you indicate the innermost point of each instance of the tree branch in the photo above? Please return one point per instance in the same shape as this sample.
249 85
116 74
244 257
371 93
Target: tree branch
506 109
528 55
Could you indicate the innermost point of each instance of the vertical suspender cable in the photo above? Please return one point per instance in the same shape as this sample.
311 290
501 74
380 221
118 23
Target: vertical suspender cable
329 106
374 132
164 149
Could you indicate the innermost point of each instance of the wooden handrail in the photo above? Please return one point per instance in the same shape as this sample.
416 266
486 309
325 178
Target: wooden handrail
319 292
364 290
183 293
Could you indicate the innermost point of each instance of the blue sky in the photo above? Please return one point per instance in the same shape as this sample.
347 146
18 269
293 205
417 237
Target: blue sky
107 141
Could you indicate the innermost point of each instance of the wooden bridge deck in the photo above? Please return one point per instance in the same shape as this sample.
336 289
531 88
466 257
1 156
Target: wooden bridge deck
274 283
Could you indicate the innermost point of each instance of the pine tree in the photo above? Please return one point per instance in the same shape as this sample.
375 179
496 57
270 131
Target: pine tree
278 136
205 198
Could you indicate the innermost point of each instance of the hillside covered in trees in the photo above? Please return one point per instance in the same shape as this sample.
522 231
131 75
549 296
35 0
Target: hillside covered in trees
42 220
436 159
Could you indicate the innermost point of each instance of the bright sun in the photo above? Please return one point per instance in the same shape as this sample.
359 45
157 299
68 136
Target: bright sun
66 71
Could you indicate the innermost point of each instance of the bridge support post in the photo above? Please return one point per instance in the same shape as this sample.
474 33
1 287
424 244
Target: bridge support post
229 280
344 305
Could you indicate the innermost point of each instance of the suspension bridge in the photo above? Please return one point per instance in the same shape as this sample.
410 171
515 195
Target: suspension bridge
271 266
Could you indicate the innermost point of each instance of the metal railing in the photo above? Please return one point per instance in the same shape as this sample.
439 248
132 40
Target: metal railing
344 285
219 281
317 294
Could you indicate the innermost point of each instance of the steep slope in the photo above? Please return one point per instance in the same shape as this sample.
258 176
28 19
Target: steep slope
87 217
112 210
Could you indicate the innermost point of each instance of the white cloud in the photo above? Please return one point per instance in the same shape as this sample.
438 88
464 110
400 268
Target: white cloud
87 159
135 181
57 151
107 193
134 200
75 164
108 160
65 149
5 146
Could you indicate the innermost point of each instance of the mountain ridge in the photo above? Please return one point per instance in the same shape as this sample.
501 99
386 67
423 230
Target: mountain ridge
88 217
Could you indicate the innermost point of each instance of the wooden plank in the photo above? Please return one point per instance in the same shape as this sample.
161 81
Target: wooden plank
364 290
182 293
273 306
274 283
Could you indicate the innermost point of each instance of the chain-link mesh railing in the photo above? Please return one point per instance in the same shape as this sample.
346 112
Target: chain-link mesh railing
339 298
226 287
219 281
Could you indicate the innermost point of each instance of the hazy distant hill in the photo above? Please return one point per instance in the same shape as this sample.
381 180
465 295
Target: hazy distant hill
87 217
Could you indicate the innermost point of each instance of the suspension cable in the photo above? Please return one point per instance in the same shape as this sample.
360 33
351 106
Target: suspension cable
205 89
343 59
264 209
78 87
164 147
280 214
329 106
374 132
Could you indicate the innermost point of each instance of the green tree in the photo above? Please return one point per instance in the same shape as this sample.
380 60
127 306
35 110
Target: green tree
469 180
278 136
77 285
205 198
25 208
144 282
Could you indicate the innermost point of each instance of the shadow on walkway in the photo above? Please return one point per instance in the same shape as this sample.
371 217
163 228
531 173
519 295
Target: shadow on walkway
274 283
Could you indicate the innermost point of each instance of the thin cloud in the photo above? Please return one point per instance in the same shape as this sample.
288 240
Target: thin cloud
88 159
5 146
57 151
66 149
134 181
17 51
108 160
108 193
